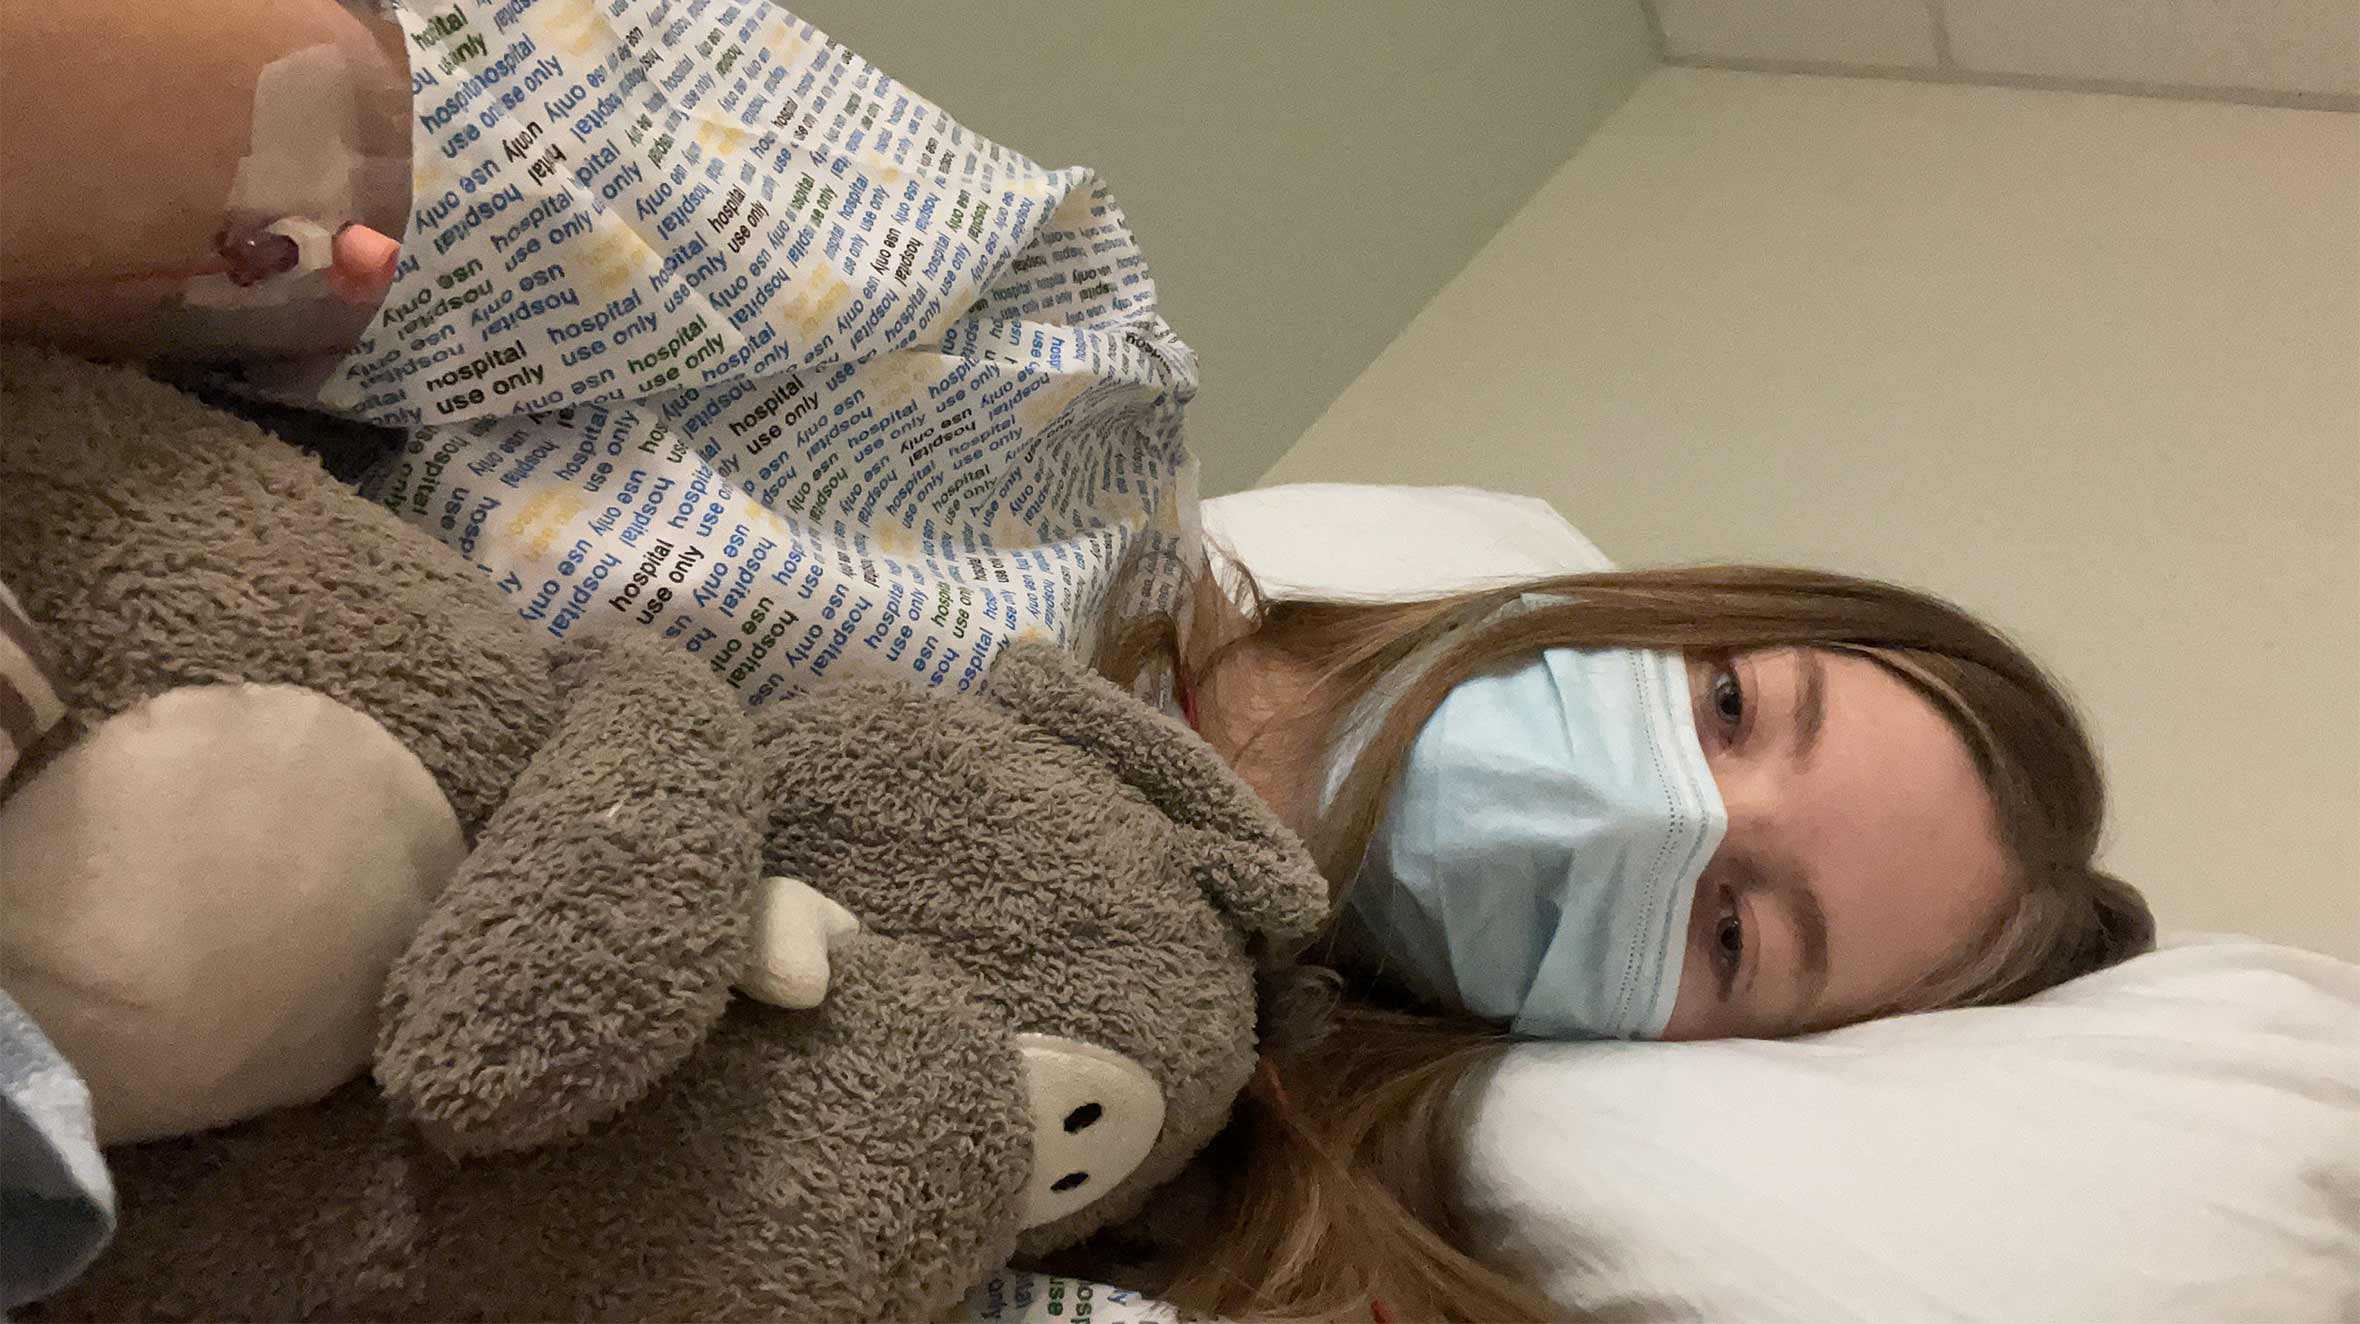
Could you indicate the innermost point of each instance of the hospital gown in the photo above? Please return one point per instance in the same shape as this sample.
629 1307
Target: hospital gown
706 326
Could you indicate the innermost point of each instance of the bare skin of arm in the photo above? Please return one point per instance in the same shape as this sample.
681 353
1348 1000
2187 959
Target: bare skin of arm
122 125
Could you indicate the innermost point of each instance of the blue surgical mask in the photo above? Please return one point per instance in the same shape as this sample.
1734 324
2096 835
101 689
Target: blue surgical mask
1538 858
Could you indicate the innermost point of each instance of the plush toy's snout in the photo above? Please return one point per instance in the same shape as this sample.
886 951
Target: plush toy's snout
1106 883
1095 1113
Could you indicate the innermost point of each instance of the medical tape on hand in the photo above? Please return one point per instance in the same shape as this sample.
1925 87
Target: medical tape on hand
299 167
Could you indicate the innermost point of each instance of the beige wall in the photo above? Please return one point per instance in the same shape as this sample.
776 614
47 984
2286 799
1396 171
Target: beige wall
2302 53
2089 364
1303 176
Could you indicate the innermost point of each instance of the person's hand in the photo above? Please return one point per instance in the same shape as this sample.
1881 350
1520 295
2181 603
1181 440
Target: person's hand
362 270
131 126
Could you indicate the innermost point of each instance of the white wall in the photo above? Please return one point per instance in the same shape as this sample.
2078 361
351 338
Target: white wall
1302 176
2088 364
2303 53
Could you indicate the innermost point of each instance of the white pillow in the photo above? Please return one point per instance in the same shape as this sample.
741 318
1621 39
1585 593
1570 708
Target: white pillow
2174 1139
1347 540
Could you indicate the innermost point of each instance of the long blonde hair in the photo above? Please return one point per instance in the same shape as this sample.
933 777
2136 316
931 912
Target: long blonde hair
1341 1200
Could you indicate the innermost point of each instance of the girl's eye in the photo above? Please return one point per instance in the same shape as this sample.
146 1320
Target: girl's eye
1728 943
1728 699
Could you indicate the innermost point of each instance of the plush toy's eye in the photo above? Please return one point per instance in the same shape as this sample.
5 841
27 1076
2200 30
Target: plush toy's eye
1080 1118
1069 1181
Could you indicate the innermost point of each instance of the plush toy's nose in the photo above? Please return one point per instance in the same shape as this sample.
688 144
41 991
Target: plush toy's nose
1095 1116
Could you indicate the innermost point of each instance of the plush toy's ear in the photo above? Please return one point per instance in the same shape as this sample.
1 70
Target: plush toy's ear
1255 869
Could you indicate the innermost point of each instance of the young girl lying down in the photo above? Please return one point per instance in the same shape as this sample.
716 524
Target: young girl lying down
698 324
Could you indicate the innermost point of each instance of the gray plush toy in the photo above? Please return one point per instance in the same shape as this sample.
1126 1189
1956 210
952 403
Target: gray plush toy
1017 937
293 725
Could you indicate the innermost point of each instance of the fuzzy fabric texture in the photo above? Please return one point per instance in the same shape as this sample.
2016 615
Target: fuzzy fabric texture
1091 864
589 941
161 543
855 1162
606 783
1054 860
575 1121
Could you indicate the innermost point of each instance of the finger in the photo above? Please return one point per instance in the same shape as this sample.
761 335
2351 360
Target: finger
363 263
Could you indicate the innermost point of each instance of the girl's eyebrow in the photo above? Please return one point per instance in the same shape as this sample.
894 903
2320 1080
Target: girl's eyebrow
1785 885
1810 713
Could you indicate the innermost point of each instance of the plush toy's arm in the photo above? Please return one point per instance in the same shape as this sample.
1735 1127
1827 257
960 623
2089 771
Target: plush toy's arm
589 941
1246 860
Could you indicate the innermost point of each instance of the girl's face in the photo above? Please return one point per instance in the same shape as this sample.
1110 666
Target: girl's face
1862 850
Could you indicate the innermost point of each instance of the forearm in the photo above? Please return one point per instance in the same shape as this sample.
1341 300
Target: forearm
127 125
